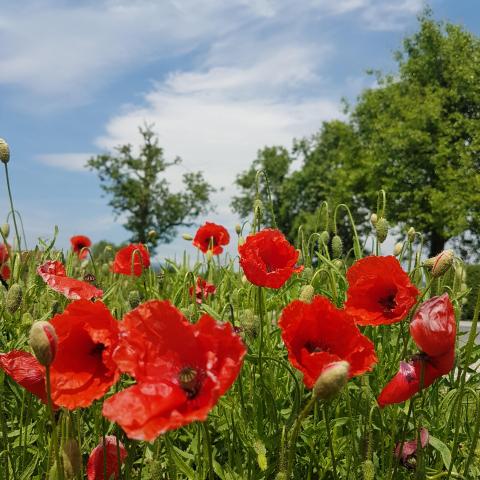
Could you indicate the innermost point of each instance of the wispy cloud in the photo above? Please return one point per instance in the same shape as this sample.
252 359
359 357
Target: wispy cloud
69 161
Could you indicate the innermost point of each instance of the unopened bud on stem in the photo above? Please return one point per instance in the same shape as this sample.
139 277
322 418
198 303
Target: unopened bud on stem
331 380
374 219
306 293
43 340
382 229
187 237
4 151
337 246
397 249
440 263
411 234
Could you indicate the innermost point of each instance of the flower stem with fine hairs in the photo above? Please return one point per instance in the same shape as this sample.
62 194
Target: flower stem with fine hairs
12 208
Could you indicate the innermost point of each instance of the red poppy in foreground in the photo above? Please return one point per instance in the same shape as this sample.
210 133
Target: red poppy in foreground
80 243
317 334
202 290
433 329
24 369
211 237
83 369
379 291
268 259
131 260
181 369
115 456
54 275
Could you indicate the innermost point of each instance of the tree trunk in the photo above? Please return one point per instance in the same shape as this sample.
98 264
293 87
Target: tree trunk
437 244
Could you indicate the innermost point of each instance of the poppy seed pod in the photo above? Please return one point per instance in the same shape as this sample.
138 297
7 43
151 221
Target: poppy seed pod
4 151
337 246
14 298
374 219
411 234
382 229
43 340
5 228
306 293
187 237
332 380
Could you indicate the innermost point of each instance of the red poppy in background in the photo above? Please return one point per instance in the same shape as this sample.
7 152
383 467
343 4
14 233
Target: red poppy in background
24 369
211 237
3 253
202 290
433 327
407 453
317 334
79 245
131 260
54 275
379 291
5 271
83 369
113 459
4 268
268 259
181 369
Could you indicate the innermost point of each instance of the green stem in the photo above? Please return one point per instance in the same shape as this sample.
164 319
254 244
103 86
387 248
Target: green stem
19 246
330 443
208 448
54 424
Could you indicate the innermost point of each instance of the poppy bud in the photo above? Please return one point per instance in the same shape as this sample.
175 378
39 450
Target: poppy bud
331 380
14 298
241 241
306 293
134 299
152 234
72 458
397 249
209 255
338 263
374 219
337 246
238 229
460 274
5 230
187 237
308 273
382 229
258 206
261 452
324 237
440 263
43 340
281 476
368 470
4 151
27 320
411 234
105 268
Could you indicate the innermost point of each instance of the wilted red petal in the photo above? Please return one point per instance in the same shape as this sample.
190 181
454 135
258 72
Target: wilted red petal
131 260
433 327
317 334
410 448
202 290
211 237
379 291
83 369
54 275
115 456
268 259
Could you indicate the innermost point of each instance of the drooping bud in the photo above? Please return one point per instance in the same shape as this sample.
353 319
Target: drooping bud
332 380
5 230
134 299
397 249
258 206
411 234
374 219
43 340
152 234
442 262
281 476
14 298
337 246
460 273
308 273
382 229
187 237
338 263
306 294
4 151
238 229
27 320
72 458
324 237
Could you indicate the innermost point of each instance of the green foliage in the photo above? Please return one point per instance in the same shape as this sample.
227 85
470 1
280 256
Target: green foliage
473 283
139 191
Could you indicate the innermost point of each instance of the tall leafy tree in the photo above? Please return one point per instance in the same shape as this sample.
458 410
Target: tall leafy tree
139 190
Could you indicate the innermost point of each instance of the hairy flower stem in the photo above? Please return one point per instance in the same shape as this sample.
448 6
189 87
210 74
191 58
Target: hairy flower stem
56 450
12 208
208 449
330 443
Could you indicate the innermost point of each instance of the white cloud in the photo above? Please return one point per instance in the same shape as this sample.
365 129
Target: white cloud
68 161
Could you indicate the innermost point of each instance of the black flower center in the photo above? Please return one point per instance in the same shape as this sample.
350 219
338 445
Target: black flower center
190 380
97 349
316 347
388 303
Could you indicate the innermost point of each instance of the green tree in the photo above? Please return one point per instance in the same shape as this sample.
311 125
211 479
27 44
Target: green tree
139 191
420 134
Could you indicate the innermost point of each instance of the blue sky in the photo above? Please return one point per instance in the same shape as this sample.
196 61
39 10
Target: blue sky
220 79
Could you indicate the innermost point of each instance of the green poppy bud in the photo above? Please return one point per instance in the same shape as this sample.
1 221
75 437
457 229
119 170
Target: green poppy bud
14 298
411 234
338 263
332 380
238 229
324 237
382 229
306 294
337 246
442 262
134 299
374 219
397 249
187 237
368 470
43 340
4 151
5 230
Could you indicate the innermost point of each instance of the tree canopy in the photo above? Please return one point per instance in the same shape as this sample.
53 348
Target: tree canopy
139 190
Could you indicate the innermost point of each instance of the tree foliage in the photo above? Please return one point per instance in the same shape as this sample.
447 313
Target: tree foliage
139 190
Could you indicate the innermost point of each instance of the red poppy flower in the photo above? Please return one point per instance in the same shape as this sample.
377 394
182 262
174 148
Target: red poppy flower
131 260
433 327
83 369
5 271
407 453
79 245
54 275
3 253
115 456
379 291
268 259
202 289
181 369
211 237
24 369
317 334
